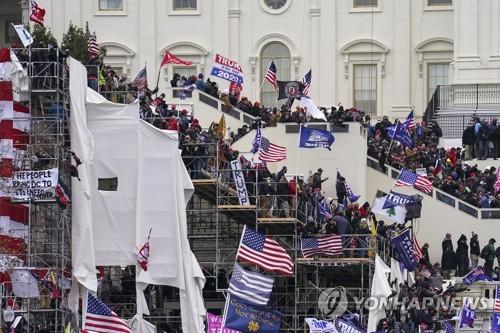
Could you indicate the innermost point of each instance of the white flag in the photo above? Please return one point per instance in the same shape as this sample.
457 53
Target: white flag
24 284
396 214
23 34
312 109
380 289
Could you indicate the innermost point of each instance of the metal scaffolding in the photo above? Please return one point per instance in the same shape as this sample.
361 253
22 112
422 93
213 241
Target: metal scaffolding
48 242
215 220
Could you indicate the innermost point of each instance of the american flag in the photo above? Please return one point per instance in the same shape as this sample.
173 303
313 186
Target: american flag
37 13
448 327
93 48
306 83
497 299
251 286
271 75
411 120
100 318
417 250
141 80
408 178
265 252
269 152
329 245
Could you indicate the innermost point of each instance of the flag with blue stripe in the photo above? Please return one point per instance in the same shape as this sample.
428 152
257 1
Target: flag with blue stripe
252 287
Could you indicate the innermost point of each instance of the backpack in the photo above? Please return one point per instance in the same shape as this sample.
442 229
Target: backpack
484 252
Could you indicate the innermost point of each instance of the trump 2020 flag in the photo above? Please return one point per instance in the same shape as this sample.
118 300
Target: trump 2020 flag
315 138
246 317
495 323
467 316
476 274
403 244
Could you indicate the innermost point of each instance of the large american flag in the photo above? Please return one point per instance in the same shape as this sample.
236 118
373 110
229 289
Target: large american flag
329 245
271 75
408 178
265 252
269 152
100 318
497 299
417 250
306 83
93 48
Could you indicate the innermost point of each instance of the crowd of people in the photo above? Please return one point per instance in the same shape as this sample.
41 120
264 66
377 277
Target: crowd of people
450 170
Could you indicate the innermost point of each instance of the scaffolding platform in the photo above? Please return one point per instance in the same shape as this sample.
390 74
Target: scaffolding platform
237 207
276 220
332 261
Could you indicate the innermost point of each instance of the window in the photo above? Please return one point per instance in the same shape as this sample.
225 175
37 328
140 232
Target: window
107 184
365 88
185 4
365 3
439 2
275 4
280 54
111 5
437 74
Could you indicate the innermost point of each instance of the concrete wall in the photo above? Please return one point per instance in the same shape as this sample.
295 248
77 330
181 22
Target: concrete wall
348 155
437 218
327 36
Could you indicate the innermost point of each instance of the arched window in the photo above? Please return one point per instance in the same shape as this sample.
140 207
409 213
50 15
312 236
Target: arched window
280 54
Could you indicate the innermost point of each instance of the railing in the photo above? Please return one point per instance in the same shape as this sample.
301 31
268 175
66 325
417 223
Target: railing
432 106
447 199
468 97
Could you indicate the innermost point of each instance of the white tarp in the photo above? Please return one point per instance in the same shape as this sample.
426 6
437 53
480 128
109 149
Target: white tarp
152 190
82 144
380 290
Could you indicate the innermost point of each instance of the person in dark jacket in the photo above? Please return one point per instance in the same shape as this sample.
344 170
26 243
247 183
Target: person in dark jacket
490 257
448 259
341 191
475 250
316 181
283 196
462 256
468 140
425 252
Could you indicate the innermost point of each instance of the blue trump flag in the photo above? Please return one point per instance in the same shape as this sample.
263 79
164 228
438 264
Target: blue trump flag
477 274
402 134
246 317
403 244
315 138
394 199
467 317
495 323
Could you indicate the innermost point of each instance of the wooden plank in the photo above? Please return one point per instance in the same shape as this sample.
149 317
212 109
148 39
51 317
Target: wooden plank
237 207
203 181
341 260
276 220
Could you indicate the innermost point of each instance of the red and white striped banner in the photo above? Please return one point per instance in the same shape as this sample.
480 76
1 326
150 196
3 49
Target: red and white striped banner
14 139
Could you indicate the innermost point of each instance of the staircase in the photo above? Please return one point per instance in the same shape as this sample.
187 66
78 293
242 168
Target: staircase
453 106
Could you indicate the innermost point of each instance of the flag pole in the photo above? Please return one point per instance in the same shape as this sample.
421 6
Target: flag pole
158 81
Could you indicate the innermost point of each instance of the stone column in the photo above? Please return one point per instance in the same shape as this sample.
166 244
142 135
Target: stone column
400 60
315 14
234 29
